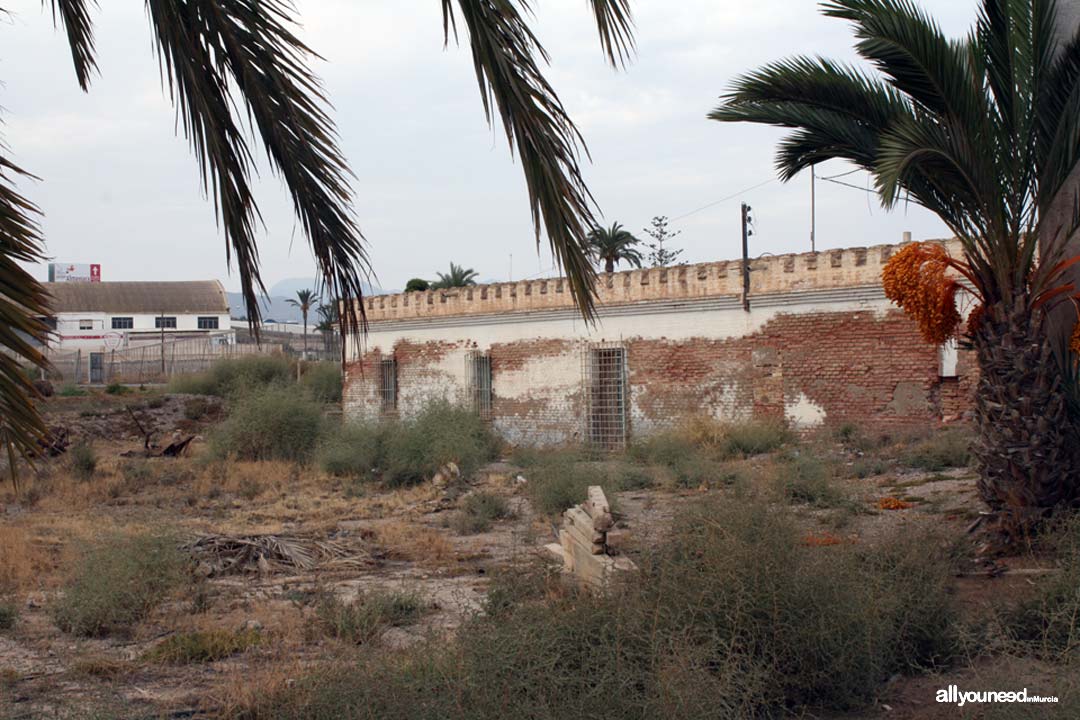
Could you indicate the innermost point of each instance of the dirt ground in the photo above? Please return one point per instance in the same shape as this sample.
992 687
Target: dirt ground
388 540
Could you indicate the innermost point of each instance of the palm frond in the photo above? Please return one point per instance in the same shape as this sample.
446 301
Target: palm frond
505 57
208 48
839 111
75 17
23 304
615 23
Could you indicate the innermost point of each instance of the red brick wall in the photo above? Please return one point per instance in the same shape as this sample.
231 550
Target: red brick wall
865 367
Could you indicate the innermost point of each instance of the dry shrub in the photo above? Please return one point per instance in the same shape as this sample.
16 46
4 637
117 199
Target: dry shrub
368 614
414 542
269 423
202 646
1047 623
322 381
235 376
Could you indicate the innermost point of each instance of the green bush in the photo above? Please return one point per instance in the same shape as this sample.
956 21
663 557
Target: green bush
362 619
117 582
806 479
352 450
233 376
755 438
269 423
83 461
71 390
323 381
202 646
479 511
9 614
117 389
942 450
442 433
730 618
196 408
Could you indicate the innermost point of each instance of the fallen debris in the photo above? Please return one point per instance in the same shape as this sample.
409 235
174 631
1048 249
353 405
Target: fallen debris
583 541
266 554
55 443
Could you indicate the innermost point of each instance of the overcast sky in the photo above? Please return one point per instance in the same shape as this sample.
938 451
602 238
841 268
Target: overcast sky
434 184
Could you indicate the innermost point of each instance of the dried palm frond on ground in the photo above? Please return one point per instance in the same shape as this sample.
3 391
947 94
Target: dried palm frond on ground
225 554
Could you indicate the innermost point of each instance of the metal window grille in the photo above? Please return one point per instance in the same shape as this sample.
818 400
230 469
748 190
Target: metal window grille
208 323
388 385
478 367
165 321
605 392
123 323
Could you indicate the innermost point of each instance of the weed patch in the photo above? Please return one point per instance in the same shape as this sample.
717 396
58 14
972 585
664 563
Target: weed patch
413 451
117 582
733 617
940 451
478 512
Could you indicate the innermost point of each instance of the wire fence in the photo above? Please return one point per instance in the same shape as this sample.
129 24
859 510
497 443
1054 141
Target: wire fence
151 363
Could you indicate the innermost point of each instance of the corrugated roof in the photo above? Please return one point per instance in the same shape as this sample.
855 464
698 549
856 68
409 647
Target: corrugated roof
197 296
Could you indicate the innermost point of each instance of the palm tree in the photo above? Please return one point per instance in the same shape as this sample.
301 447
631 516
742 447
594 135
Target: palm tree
612 245
456 278
328 322
304 300
209 48
983 132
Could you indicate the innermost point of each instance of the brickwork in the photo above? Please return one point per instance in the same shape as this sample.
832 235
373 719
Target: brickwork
812 356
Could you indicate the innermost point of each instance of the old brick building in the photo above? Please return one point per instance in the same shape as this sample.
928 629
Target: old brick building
819 343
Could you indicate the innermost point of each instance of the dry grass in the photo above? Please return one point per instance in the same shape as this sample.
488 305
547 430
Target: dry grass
19 559
415 543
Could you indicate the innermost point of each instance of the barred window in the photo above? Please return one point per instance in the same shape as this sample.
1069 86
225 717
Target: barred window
208 323
388 385
605 373
480 390
123 323
167 321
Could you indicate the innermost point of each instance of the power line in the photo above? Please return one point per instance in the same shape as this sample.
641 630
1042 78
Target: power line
723 199
849 185
840 175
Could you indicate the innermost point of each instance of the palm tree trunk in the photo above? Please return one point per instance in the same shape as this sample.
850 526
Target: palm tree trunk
1025 452
609 265
305 334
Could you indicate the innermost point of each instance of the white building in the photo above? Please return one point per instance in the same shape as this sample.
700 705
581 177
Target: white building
103 316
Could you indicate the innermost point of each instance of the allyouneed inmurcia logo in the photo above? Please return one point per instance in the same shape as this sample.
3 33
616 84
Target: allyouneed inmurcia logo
953 694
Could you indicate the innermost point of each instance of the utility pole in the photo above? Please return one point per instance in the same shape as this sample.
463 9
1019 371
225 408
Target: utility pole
813 209
746 232
162 323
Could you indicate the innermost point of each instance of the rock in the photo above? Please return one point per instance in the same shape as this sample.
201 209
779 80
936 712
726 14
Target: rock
446 475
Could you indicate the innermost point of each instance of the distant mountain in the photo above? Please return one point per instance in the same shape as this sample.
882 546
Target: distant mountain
276 306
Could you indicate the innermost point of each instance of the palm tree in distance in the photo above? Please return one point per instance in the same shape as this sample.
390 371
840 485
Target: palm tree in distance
457 277
613 245
224 61
983 132
304 300
328 322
